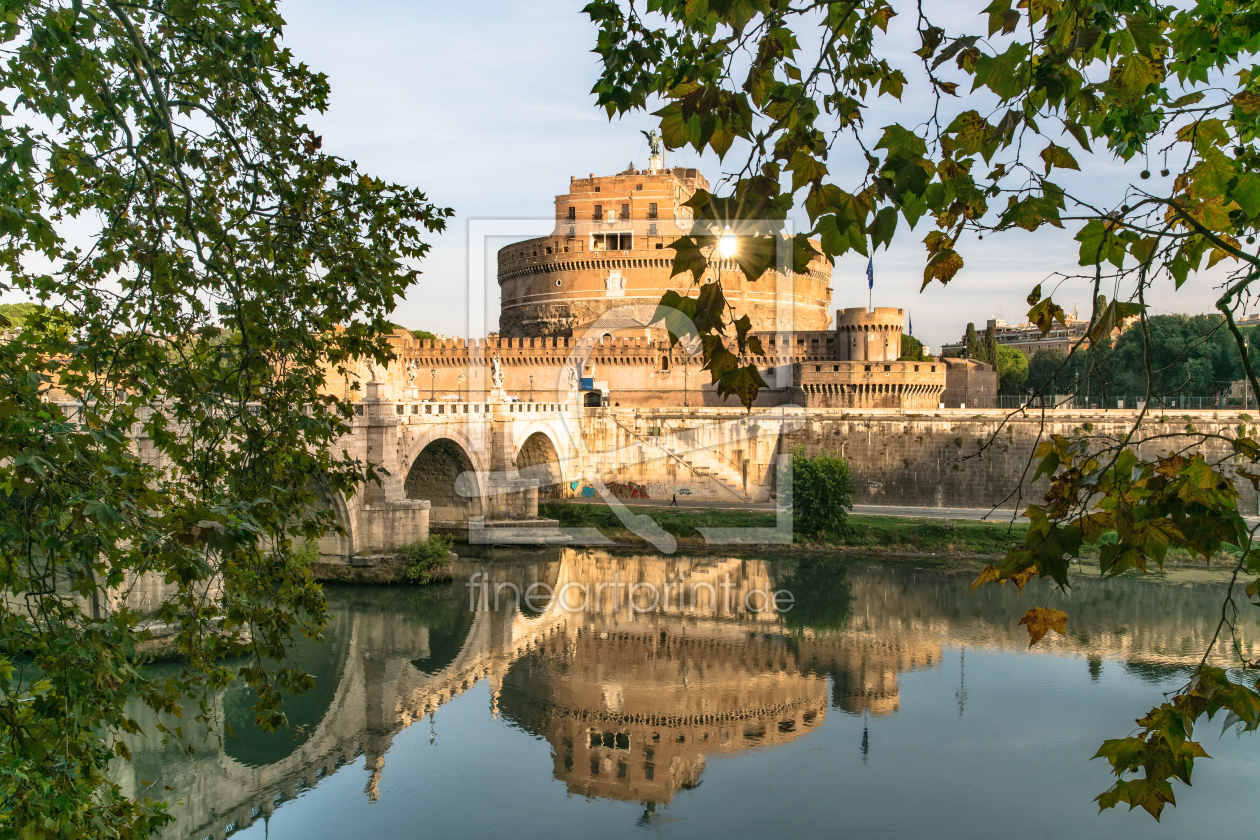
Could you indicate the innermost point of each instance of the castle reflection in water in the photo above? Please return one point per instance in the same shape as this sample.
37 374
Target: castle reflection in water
632 703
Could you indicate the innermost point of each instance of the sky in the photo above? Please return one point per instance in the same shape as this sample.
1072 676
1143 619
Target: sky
486 107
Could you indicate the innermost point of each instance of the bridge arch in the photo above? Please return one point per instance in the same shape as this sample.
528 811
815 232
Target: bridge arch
333 547
446 474
539 458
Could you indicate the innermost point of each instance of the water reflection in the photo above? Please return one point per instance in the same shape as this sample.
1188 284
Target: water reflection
633 703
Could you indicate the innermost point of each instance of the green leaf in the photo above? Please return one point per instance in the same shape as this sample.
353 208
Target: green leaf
1099 244
805 169
1246 193
1057 156
688 257
678 314
1002 74
1045 313
743 382
1146 36
1078 133
882 227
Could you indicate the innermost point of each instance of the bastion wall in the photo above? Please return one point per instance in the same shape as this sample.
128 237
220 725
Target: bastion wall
938 459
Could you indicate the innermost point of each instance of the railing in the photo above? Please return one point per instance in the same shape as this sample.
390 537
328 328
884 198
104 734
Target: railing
451 408
1179 402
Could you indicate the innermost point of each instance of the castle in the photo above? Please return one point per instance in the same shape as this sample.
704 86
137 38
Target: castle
576 320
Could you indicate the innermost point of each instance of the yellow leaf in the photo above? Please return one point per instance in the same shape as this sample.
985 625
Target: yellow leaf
990 573
1021 578
1040 620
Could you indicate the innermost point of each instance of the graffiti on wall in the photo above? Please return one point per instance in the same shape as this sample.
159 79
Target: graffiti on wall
627 490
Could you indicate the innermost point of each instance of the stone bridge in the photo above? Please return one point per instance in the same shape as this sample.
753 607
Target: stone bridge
481 467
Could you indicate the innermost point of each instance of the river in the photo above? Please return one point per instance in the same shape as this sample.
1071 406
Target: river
888 701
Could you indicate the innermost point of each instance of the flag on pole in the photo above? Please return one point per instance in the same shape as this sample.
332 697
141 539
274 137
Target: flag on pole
870 272
910 323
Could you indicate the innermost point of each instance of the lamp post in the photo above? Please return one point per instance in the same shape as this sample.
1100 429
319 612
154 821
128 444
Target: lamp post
531 387
432 376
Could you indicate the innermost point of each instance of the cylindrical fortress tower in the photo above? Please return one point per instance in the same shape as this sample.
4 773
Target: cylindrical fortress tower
864 335
610 251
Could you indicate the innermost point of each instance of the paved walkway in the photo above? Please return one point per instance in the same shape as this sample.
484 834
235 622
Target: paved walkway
1001 515
863 510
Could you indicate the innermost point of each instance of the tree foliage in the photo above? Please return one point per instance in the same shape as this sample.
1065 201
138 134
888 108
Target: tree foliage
821 492
1045 372
972 348
1012 369
912 350
208 262
1017 104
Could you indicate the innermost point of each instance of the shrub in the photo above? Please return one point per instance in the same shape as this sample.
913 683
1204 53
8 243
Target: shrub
427 559
822 492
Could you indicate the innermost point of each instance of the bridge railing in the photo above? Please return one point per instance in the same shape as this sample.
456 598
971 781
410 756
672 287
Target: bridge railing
447 410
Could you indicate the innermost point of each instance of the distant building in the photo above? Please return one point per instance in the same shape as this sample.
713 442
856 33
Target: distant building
1028 339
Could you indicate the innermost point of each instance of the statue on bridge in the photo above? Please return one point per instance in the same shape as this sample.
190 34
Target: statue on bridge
496 371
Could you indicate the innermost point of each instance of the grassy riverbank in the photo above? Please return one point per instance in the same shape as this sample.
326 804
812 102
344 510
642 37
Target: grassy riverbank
860 534
892 534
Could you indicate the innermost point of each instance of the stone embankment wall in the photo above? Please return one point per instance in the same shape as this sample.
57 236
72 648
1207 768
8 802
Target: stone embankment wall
982 459
951 458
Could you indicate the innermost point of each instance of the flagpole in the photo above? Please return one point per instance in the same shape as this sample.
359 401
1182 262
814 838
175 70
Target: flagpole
870 283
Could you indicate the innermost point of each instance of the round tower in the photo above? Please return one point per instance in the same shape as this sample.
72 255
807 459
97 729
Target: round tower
865 335
609 250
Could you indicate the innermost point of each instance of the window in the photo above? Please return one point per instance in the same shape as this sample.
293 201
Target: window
571 233
817 368
916 368
664 362
638 186
887 368
548 250
933 368
652 210
659 246
572 212
868 368
835 367
625 211
599 211
597 189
